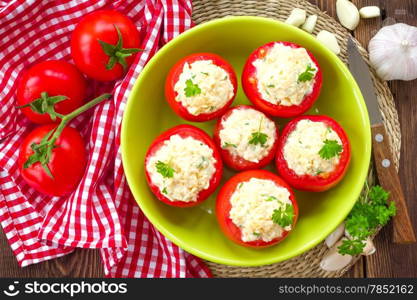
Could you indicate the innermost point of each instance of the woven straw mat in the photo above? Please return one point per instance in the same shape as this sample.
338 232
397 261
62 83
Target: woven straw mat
307 264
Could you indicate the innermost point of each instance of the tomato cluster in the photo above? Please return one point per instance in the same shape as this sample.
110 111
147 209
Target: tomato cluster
289 179
53 158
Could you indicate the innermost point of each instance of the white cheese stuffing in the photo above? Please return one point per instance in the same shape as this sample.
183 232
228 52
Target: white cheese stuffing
253 204
193 164
301 150
237 131
214 83
277 75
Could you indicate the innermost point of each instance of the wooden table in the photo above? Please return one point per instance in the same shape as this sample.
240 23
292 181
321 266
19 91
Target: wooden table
390 260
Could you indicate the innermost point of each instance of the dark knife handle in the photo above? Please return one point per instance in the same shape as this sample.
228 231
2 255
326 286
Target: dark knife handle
388 178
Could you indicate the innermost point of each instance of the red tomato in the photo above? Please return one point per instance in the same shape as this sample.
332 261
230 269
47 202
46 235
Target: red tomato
250 86
323 181
196 133
237 162
67 162
88 53
223 206
56 78
174 75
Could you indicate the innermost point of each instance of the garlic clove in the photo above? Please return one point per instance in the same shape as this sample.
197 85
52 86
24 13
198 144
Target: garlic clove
334 261
348 14
333 237
329 40
369 248
369 12
296 17
393 52
310 23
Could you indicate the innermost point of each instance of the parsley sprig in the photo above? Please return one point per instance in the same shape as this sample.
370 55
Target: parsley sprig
307 75
164 169
191 88
258 137
283 216
331 148
370 212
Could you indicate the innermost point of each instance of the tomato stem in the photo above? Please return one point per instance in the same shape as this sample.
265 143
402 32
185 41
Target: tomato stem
43 150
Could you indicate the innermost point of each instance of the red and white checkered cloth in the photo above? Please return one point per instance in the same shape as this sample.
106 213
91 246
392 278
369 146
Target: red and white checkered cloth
101 212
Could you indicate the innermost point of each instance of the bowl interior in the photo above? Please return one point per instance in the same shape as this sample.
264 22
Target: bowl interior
147 115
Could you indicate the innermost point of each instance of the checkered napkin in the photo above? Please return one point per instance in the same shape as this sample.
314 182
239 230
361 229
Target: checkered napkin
101 213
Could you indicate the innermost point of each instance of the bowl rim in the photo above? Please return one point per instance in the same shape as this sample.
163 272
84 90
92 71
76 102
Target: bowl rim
355 193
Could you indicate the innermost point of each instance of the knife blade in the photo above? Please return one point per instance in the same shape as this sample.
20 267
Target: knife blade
387 174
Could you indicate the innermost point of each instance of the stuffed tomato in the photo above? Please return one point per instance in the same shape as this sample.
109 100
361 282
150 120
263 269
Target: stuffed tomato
248 139
183 166
256 208
282 79
313 153
201 87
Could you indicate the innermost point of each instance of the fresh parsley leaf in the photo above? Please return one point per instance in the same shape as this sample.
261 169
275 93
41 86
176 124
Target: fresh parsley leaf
240 185
225 145
271 198
365 218
164 191
191 89
205 73
202 163
256 234
258 137
318 172
307 75
283 216
271 85
331 148
351 247
164 169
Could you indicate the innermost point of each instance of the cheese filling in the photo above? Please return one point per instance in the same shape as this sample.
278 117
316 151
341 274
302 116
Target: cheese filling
238 132
279 75
253 204
182 168
203 87
301 150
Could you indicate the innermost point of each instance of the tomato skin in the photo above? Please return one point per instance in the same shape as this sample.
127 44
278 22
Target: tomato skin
67 163
87 52
56 77
320 182
249 84
223 207
174 74
198 134
236 162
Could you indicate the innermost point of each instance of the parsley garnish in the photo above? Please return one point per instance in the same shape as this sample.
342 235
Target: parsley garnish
204 73
202 163
256 234
283 216
225 145
365 218
191 89
330 149
164 169
270 85
258 137
164 191
271 198
307 75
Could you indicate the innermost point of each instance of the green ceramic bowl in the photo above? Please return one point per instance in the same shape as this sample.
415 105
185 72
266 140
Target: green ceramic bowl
148 114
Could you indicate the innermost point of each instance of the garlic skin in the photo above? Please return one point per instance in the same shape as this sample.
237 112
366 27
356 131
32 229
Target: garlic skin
296 17
393 52
348 14
329 40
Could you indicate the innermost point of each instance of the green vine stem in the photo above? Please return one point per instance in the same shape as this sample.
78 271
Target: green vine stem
43 150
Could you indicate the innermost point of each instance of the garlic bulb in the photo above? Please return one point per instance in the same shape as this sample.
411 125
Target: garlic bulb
393 52
348 14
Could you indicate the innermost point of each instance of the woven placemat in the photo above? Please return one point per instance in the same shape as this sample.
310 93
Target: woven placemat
307 264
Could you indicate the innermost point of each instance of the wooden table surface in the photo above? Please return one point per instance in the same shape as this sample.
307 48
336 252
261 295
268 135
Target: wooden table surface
390 260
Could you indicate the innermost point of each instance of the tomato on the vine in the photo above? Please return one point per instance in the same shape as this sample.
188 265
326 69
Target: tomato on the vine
104 43
50 89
